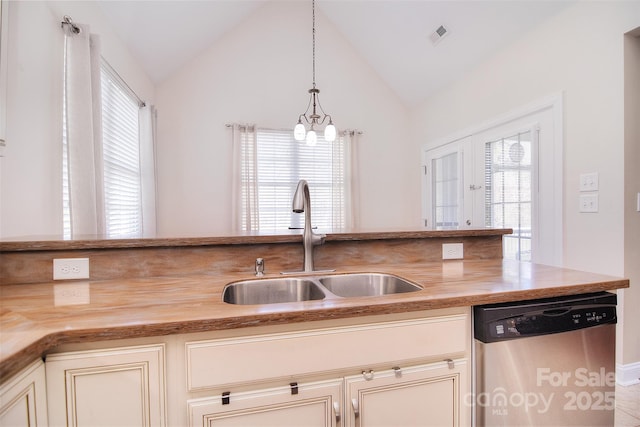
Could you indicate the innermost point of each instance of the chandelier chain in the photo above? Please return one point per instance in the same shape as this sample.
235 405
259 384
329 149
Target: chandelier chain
313 37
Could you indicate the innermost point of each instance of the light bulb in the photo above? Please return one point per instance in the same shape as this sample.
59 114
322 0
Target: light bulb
299 132
312 138
330 133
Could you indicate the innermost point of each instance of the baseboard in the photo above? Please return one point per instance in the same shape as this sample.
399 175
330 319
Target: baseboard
628 374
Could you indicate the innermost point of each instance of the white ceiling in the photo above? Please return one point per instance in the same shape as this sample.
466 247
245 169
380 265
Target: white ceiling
391 35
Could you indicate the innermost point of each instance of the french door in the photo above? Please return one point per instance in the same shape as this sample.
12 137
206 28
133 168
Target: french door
501 177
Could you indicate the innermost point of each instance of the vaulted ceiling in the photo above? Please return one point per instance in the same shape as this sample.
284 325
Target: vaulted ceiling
393 36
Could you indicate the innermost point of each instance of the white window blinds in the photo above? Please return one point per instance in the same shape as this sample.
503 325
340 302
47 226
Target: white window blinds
121 158
280 162
508 195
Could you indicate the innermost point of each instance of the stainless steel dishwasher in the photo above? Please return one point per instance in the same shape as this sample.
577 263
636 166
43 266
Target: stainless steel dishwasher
546 362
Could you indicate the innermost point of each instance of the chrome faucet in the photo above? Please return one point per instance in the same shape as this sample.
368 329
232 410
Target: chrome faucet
302 203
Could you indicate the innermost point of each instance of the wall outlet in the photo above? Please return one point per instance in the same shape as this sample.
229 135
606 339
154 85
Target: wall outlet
452 251
70 268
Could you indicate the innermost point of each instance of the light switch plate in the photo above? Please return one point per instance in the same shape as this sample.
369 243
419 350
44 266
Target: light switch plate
589 181
589 203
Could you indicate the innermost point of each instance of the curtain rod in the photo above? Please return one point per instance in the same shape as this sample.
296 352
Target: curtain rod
68 21
122 82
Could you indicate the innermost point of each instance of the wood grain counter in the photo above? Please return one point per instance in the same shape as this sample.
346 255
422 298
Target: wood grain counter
37 317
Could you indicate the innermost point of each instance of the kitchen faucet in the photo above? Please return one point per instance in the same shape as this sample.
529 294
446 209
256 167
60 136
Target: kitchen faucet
302 203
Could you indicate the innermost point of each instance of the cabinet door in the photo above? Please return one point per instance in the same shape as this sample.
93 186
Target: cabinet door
23 399
426 395
111 387
315 404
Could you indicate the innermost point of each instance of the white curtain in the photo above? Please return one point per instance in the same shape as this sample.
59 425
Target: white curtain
83 131
245 179
147 117
352 180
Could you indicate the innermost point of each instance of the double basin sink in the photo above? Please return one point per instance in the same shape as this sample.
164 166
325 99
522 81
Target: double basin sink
310 288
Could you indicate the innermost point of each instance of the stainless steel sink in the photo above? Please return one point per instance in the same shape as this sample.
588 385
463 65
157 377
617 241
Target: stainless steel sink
272 291
366 284
309 288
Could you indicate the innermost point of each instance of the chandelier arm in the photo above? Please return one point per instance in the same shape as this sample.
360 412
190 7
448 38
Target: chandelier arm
324 118
306 119
304 115
324 114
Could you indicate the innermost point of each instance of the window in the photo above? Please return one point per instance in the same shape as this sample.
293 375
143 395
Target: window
119 174
509 191
121 158
275 168
446 183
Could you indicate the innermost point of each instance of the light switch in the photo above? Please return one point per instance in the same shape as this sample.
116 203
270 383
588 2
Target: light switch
589 181
589 203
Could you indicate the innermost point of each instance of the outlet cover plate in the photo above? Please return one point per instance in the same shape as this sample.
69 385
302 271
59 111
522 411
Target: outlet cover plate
70 268
452 251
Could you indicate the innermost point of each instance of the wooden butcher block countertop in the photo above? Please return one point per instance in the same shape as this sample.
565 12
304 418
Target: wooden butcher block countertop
37 317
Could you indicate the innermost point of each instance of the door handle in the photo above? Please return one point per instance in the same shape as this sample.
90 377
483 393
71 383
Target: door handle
336 409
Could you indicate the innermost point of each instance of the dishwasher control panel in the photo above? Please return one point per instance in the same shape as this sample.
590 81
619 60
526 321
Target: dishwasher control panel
551 322
498 322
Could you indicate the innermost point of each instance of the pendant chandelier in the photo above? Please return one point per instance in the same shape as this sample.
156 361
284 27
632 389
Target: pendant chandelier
300 133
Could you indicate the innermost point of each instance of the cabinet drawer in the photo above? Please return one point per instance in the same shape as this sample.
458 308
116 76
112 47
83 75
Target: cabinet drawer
214 363
314 404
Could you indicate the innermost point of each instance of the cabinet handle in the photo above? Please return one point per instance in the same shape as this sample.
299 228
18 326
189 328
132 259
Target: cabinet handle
398 371
368 375
336 409
356 407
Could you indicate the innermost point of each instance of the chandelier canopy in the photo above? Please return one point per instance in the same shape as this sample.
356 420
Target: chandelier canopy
311 116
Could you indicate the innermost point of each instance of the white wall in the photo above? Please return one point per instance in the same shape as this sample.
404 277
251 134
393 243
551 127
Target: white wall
630 351
31 176
578 52
31 184
260 73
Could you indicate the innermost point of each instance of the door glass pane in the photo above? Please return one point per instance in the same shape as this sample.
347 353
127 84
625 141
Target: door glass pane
446 182
508 195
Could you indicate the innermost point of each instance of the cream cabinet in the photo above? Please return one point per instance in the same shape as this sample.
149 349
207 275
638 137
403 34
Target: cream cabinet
386 373
313 404
109 387
23 399
424 395
402 370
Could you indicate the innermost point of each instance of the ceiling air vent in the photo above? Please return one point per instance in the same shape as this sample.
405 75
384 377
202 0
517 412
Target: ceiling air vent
438 35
